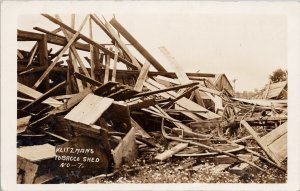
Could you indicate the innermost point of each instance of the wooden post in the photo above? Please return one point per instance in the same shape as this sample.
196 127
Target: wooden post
72 57
43 56
91 49
107 64
114 73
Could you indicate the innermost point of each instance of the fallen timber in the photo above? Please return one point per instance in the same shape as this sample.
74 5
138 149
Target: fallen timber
82 118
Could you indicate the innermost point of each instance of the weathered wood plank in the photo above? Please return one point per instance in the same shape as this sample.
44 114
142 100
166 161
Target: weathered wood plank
126 151
259 141
37 152
72 101
35 94
22 123
170 152
89 109
44 96
275 134
142 77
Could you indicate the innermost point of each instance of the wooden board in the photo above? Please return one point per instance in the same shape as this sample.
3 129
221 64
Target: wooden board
29 168
142 77
89 109
35 94
275 134
22 123
126 151
37 152
262 144
170 152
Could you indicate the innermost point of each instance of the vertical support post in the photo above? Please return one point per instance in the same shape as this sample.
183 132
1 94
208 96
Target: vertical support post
114 72
107 64
43 57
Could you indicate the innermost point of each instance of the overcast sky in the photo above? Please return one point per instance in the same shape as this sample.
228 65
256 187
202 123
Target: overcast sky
247 47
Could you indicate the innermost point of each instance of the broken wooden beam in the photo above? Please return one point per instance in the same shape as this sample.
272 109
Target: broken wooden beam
136 45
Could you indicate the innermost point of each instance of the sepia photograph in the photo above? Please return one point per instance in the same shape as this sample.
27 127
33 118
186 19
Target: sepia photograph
152 97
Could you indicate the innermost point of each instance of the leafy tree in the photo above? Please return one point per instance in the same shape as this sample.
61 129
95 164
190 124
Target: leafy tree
278 75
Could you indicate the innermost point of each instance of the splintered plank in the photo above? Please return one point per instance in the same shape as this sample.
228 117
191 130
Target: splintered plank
126 151
183 103
142 77
35 94
89 109
37 152
170 152
71 41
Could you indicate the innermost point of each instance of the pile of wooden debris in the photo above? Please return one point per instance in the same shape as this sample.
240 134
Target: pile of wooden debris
81 117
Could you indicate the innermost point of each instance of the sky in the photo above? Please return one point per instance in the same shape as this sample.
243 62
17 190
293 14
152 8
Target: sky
245 47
